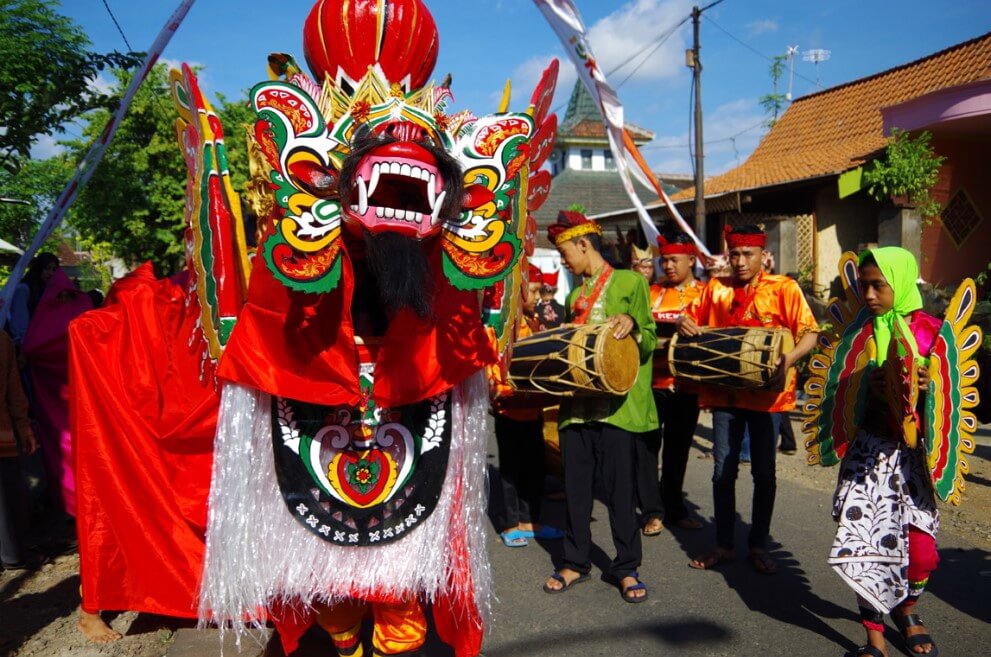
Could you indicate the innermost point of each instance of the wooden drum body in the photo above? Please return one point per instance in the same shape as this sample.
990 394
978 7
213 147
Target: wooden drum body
736 357
575 360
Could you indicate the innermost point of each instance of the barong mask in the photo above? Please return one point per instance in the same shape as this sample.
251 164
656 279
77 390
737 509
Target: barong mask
369 148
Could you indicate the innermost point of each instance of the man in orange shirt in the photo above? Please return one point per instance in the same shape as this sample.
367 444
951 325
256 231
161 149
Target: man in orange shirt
677 403
748 297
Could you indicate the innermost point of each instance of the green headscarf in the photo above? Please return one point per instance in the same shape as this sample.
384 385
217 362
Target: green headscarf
901 270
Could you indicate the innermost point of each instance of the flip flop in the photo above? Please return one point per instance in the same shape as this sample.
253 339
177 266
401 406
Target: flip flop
711 559
514 538
763 563
583 577
653 532
545 533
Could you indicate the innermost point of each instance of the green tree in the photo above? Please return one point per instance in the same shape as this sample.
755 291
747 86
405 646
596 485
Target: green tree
38 183
135 202
774 103
46 76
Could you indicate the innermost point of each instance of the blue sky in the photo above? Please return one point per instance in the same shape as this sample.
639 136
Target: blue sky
484 43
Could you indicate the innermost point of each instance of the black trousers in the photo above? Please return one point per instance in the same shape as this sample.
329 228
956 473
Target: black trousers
679 415
587 449
521 469
787 433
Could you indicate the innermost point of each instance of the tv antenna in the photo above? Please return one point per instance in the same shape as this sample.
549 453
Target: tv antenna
815 56
792 51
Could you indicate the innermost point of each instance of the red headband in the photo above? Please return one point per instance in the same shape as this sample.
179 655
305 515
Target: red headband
673 248
534 275
736 240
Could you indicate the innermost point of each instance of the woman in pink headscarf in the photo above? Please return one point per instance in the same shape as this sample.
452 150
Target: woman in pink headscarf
46 347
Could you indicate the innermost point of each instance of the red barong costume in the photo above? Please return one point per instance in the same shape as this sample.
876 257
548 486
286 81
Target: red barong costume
349 462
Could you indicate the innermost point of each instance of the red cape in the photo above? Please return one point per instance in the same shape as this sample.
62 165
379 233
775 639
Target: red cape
142 424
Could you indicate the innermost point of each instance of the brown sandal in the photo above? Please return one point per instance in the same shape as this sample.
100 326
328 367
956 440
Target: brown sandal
763 563
711 559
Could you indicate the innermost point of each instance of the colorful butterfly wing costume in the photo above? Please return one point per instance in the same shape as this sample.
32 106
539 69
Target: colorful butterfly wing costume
346 467
838 391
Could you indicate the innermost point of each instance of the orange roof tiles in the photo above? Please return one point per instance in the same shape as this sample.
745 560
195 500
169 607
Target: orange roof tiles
840 128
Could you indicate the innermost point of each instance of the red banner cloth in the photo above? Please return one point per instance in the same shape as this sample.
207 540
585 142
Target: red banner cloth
142 424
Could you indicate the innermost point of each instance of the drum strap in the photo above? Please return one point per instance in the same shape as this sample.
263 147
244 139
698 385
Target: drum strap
743 299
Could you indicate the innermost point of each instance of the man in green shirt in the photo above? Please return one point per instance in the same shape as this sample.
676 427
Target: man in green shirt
599 431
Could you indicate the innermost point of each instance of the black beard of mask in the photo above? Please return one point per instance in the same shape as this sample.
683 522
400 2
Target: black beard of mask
401 268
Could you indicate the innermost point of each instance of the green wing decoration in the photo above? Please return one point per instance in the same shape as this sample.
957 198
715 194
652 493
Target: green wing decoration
837 393
949 423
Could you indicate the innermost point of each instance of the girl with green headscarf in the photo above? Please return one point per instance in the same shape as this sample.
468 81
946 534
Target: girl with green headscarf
885 551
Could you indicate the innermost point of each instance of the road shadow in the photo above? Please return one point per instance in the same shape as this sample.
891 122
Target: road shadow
786 596
957 567
25 616
670 633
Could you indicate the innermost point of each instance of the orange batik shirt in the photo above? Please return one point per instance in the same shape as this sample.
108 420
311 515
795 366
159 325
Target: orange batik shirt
667 303
770 301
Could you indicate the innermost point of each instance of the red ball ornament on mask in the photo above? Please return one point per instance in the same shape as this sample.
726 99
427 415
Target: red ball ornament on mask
343 38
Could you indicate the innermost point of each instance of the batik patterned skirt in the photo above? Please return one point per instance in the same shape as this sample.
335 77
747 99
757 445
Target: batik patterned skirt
883 489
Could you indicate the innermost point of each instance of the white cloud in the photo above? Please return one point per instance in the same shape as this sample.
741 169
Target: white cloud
762 26
47 146
730 132
630 31
102 84
634 28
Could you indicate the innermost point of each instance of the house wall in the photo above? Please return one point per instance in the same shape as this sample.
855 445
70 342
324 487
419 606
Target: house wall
842 225
968 161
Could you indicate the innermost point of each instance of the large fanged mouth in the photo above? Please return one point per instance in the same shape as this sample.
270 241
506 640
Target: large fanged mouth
396 193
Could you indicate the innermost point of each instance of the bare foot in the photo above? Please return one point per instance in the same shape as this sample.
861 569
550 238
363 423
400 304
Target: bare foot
94 629
570 577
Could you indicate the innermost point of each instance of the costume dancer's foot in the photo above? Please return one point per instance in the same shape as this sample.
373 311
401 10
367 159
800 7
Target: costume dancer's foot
94 629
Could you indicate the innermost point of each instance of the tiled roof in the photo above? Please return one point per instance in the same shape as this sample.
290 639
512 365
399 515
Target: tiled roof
598 191
583 120
840 128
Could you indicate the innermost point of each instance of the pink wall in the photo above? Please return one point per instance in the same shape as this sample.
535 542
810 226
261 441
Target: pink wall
968 165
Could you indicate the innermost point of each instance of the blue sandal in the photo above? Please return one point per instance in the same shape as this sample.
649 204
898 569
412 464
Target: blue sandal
639 586
582 577
514 538
545 533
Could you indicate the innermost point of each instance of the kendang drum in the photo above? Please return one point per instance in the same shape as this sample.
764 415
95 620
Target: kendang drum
575 360
735 357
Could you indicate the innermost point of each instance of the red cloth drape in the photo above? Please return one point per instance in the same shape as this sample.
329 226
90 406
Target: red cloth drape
301 346
143 424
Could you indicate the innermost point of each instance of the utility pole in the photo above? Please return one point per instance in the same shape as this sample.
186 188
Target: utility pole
696 65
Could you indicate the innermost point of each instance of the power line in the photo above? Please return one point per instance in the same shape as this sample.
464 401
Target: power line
706 143
653 46
751 48
119 29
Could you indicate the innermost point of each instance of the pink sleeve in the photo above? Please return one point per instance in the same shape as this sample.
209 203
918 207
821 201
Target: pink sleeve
924 328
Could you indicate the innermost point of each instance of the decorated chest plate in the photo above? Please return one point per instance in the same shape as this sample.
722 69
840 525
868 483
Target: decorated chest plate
361 475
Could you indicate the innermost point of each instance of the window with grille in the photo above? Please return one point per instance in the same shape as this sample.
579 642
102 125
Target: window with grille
960 217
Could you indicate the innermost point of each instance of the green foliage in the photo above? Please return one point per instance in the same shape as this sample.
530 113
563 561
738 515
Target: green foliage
135 201
774 103
908 168
39 182
47 75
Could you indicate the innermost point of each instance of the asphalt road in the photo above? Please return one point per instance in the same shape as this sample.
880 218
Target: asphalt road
805 609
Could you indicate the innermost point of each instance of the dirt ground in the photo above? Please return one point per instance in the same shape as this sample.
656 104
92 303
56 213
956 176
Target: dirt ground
38 610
